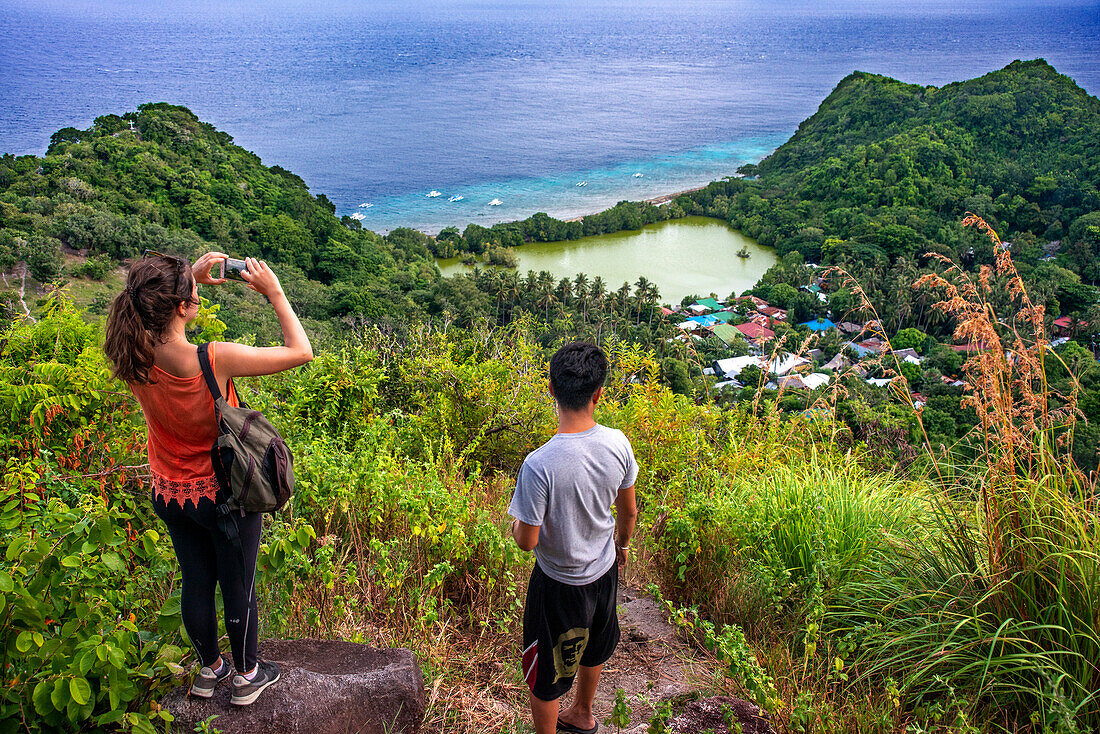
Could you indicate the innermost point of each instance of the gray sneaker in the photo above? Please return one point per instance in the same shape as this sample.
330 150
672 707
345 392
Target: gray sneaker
246 691
206 680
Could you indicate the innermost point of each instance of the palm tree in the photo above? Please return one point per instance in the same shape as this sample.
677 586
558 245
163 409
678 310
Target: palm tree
641 292
580 288
510 286
564 290
597 291
622 297
547 299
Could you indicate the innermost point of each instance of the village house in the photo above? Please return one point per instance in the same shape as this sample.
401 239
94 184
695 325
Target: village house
779 366
755 332
726 333
907 355
1064 326
850 328
818 325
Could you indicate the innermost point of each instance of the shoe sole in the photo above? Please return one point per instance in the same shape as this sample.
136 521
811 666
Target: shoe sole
246 700
207 692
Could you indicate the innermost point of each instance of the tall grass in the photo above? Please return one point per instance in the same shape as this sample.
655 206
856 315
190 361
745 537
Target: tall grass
758 550
999 596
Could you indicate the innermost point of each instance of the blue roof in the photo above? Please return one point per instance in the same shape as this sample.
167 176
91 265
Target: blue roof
705 320
860 351
818 325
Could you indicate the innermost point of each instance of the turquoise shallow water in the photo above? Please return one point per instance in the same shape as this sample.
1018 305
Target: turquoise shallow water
559 195
694 255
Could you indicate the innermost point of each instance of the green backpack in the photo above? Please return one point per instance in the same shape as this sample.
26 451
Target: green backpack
251 460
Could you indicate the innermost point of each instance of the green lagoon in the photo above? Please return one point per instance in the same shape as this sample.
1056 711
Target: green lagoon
694 255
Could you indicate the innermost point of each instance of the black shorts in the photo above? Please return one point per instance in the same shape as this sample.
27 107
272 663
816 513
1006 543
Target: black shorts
567 626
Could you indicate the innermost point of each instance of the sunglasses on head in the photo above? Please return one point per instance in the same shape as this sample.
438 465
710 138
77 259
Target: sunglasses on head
172 258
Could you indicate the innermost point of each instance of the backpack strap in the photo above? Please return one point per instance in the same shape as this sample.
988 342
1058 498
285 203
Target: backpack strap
208 372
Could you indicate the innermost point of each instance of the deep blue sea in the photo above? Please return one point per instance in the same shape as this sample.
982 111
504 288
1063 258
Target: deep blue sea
383 102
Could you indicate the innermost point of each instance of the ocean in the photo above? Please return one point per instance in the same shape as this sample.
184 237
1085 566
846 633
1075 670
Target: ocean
561 106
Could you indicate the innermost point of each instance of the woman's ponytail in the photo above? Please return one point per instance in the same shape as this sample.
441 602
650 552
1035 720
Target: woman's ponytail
140 315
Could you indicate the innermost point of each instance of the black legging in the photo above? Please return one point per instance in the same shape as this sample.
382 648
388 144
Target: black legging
206 558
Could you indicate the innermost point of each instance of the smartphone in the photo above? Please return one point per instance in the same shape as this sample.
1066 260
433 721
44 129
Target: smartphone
232 269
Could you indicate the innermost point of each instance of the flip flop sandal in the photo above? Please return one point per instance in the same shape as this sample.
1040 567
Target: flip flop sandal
570 729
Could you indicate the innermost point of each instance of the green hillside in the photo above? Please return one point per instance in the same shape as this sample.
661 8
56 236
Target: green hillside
1019 146
175 184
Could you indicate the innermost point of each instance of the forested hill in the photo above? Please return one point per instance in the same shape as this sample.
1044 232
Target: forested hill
1019 146
878 176
160 178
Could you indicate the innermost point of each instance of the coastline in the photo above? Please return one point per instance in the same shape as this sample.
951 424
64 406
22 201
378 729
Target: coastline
656 201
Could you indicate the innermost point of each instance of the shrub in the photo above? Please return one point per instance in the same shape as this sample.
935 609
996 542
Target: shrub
85 637
95 267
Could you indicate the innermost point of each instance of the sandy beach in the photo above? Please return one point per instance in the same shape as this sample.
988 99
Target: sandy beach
656 200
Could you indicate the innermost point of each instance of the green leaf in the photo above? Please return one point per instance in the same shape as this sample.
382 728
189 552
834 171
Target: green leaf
171 606
111 717
116 657
80 690
6 583
112 561
141 724
70 561
41 697
24 641
149 541
59 696
16 548
303 536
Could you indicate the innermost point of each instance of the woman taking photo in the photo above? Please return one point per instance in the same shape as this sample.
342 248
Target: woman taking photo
147 342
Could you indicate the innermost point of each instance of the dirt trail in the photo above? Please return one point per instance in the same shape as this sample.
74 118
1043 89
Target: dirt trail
22 291
651 663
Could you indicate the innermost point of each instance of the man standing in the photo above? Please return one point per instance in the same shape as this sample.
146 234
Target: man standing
562 509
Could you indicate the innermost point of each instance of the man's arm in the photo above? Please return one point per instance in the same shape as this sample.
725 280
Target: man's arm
626 513
526 536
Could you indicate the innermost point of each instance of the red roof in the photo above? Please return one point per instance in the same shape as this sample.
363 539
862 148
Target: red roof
971 347
755 331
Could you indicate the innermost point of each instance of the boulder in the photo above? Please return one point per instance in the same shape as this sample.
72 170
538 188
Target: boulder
716 713
326 687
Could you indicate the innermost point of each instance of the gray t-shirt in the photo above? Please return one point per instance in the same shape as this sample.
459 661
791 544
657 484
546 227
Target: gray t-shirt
567 487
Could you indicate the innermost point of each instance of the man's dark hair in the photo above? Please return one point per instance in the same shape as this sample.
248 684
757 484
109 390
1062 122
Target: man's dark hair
577 370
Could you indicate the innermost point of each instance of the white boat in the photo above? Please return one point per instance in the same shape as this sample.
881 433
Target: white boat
495 202
456 197
366 205
637 175
358 217
582 183
433 193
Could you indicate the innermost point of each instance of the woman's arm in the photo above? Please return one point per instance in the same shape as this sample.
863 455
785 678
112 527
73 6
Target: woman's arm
238 360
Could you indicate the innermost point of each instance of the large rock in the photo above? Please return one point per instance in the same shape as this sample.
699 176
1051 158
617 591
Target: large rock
327 687
716 714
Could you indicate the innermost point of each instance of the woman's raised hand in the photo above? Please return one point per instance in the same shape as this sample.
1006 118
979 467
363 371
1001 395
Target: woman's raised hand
202 266
261 278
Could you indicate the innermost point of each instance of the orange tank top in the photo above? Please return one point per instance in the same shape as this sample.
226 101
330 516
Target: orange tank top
179 414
